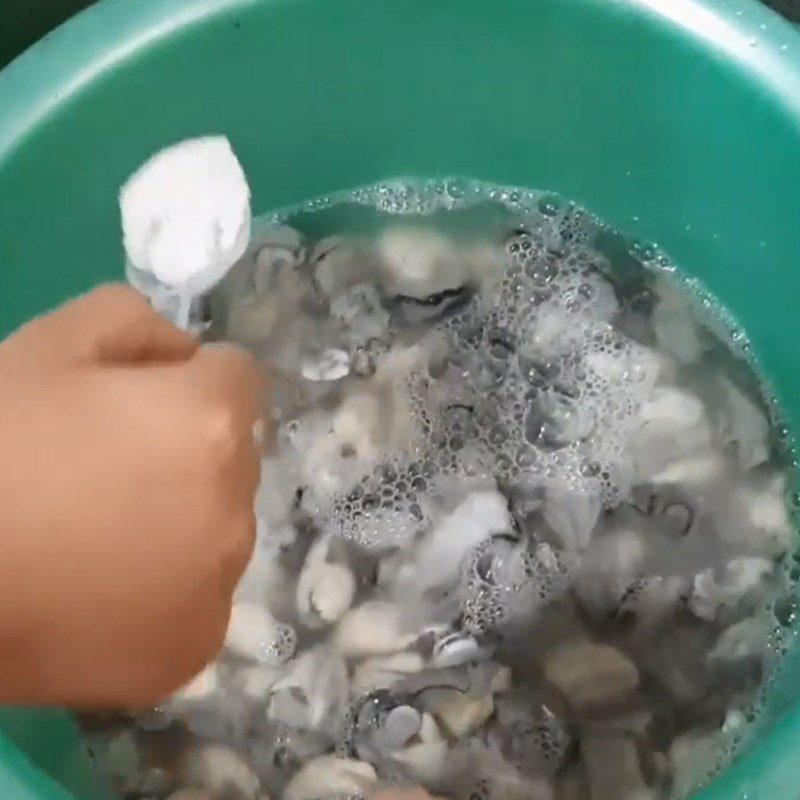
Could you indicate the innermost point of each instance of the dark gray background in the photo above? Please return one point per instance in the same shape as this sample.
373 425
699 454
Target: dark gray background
789 8
22 22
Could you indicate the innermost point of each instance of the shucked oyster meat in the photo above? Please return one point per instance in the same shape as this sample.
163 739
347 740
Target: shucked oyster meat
522 534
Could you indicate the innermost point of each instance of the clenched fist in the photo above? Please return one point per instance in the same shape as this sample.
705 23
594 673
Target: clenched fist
127 474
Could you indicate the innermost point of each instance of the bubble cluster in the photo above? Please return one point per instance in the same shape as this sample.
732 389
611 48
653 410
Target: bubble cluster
505 581
530 379
282 648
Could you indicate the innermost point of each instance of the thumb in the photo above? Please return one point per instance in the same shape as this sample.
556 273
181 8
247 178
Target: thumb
115 324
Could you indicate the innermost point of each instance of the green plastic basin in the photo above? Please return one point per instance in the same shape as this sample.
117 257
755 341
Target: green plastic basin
676 120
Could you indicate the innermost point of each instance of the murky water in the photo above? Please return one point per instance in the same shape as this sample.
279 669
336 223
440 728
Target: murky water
523 529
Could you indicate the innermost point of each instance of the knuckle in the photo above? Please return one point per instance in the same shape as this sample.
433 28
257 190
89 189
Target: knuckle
235 554
119 297
244 542
208 641
214 639
220 632
231 355
149 688
243 359
250 473
187 643
147 695
244 367
222 429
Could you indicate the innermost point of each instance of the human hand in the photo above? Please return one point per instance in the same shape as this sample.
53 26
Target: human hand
126 502
403 794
